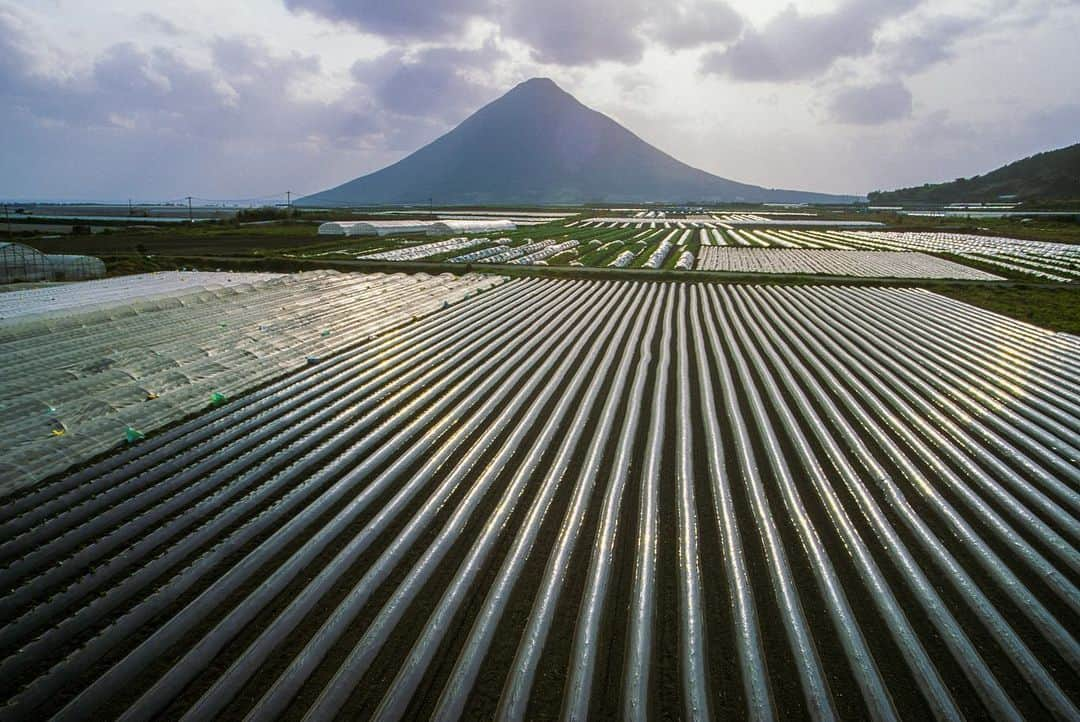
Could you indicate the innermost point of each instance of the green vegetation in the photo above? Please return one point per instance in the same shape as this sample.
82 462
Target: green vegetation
1050 176
211 238
1056 308
266 213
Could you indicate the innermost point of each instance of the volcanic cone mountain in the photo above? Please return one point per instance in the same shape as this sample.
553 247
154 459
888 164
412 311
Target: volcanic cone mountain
538 145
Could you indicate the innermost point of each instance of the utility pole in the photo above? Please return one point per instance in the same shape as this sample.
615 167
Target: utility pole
189 218
130 212
7 217
288 199
430 206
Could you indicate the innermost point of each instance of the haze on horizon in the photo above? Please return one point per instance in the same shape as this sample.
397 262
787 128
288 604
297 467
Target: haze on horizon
107 100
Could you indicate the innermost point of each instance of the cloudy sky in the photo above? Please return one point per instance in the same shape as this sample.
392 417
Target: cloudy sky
110 99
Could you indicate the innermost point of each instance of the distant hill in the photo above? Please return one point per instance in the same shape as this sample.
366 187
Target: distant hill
1053 175
538 145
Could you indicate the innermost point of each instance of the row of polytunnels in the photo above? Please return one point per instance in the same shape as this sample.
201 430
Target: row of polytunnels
885 254
583 499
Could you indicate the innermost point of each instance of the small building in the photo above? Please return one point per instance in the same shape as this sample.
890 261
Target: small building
19 263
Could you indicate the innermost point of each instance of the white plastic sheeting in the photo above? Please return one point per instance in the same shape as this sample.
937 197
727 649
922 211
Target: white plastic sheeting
444 227
336 228
738 219
121 290
1053 261
448 227
544 253
657 257
482 253
685 262
88 376
374 228
867 264
585 500
415 253
536 250
623 260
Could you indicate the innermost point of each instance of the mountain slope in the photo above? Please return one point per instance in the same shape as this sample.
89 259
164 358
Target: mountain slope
1049 176
537 144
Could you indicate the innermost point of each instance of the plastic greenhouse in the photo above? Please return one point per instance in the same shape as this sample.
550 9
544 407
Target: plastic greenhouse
22 263
373 228
448 227
74 268
402 228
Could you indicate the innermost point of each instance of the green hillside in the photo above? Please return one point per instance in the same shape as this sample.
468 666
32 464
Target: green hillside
1050 176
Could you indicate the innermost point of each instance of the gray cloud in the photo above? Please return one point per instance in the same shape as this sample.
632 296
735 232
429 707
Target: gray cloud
1053 127
793 46
17 53
930 44
576 32
427 19
694 23
563 32
932 39
432 82
871 104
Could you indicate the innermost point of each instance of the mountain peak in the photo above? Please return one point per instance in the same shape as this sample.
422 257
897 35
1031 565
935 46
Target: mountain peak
537 144
539 82
538 87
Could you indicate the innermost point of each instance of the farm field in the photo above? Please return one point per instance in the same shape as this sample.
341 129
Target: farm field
1052 261
592 499
858 264
627 239
558 245
624 245
726 220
